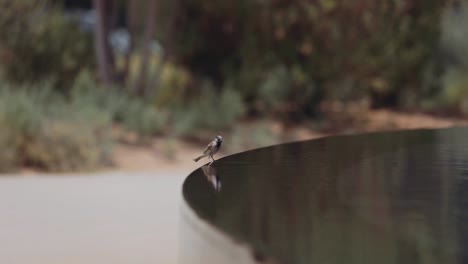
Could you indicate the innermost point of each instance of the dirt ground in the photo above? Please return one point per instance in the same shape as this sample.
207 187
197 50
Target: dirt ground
162 154
155 156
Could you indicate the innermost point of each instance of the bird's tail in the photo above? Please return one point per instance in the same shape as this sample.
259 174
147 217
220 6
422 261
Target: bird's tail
199 158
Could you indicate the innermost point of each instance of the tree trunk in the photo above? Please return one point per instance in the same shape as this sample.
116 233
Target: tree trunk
101 44
170 29
146 46
132 15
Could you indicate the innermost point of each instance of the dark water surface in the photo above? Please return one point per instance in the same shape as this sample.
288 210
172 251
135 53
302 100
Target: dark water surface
397 197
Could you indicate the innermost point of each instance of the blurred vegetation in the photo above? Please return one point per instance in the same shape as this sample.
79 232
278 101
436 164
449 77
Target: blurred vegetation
194 68
43 128
250 137
39 128
133 113
204 111
37 43
454 45
286 56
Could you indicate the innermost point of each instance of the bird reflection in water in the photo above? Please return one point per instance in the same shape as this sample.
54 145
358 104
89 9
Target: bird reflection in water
212 177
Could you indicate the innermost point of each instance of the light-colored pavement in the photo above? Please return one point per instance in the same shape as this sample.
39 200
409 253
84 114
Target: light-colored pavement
102 218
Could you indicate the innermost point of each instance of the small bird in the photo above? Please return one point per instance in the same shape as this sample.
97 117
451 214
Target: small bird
211 149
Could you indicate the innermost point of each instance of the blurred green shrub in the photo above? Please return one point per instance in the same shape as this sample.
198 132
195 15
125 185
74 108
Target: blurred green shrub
22 110
8 155
454 94
58 132
209 111
134 113
286 56
454 48
249 137
172 87
64 145
40 128
38 43
273 90
144 119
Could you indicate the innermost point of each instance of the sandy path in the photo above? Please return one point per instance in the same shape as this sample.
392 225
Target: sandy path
103 218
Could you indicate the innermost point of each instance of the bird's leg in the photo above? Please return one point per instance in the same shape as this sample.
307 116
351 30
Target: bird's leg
212 160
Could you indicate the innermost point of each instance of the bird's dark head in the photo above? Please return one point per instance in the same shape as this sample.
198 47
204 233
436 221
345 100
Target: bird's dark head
218 139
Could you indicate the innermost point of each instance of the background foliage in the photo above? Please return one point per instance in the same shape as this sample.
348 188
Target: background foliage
195 67
38 43
299 52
